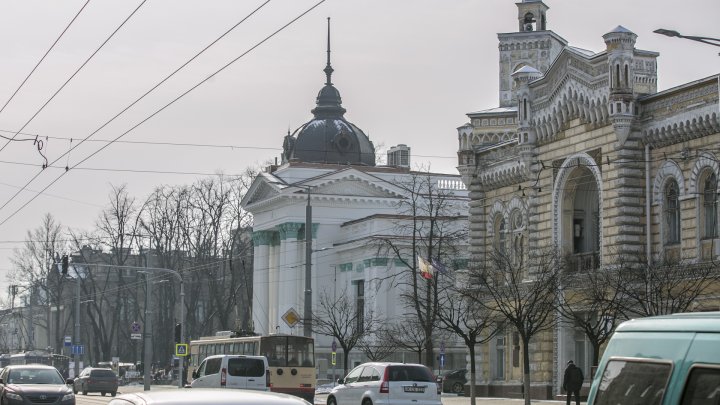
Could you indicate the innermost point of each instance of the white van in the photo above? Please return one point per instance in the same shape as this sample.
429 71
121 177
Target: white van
233 371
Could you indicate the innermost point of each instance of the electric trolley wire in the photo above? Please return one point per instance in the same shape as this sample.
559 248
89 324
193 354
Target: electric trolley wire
156 112
42 59
75 73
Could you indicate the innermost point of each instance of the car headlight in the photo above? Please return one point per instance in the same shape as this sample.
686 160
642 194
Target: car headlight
13 396
68 397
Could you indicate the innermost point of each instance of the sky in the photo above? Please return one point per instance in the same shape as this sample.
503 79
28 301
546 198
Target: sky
408 72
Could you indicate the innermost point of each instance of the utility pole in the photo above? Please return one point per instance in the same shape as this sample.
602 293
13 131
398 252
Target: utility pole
307 313
76 354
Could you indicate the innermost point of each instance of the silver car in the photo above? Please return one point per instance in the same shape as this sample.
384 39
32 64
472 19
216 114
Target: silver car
387 384
207 396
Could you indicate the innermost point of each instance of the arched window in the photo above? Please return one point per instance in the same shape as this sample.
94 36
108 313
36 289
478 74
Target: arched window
500 235
709 206
672 213
627 81
517 226
617 76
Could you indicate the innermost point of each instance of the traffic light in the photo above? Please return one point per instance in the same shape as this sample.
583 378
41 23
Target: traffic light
178 330
65 264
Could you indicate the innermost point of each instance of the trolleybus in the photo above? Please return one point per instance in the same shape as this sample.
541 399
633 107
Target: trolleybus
291 358
60 362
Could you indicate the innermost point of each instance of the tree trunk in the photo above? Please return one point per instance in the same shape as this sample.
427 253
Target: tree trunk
526 371
472 374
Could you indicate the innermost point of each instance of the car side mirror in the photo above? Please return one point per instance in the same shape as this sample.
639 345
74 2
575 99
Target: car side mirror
70 381
341 381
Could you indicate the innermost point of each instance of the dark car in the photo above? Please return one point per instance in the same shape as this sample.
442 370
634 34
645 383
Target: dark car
454 381
35 383
102 380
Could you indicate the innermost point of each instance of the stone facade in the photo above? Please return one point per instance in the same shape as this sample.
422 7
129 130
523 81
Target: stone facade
585 153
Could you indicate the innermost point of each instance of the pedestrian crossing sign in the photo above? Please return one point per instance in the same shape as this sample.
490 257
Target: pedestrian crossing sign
181 349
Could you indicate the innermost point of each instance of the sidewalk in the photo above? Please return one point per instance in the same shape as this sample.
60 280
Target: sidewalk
459 400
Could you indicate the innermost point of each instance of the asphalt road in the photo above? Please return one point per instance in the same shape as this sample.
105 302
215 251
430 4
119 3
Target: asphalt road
447 399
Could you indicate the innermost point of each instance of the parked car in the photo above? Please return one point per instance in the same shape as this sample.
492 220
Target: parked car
26 384
671 359
385 384
207 396
454 381
102 380
233 371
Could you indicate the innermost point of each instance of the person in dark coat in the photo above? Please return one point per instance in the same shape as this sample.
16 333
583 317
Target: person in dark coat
573 381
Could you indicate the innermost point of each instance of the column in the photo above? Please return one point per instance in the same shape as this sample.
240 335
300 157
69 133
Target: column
288 270
261 286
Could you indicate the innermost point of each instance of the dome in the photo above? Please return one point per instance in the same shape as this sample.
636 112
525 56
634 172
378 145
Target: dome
329 137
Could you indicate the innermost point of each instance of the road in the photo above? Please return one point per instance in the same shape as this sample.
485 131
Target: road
447 399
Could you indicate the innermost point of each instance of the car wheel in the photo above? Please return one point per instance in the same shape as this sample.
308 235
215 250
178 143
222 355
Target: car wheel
84 390
102 393
331 401
366 402
74 389
458 388
112 394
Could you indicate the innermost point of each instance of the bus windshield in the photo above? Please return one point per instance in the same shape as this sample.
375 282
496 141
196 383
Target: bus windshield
288 351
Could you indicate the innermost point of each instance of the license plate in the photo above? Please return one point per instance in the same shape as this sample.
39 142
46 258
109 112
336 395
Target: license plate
413 388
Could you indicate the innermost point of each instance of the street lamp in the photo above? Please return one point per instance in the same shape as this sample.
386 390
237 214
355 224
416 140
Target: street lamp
705 40
148 336
148 319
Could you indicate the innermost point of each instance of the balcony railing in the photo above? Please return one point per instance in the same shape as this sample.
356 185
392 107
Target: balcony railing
580 262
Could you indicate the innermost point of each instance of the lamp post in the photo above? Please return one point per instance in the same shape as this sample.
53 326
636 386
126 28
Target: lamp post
705 40
147 333
307 313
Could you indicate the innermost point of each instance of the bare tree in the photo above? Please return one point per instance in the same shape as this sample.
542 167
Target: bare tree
523 292
338 317
431 225
664 286
458 314
377 345
590 301
35 266
407 334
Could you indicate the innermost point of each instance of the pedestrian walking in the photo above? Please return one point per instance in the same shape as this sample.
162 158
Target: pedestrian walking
572 382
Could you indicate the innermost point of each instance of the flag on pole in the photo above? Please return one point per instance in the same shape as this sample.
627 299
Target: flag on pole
426 269
439 266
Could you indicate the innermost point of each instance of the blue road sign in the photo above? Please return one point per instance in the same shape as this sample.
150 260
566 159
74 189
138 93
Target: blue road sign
78 349
442 360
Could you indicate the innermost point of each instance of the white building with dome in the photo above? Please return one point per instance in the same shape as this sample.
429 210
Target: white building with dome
329 163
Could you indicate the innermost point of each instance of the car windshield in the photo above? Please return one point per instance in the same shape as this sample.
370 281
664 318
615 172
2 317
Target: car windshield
34 376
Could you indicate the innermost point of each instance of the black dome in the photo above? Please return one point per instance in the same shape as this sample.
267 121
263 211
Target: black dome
329 137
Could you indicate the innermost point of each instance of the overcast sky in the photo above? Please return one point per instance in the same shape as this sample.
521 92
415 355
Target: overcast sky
407 70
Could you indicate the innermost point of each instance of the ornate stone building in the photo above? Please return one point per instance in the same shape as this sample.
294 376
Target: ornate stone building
583 153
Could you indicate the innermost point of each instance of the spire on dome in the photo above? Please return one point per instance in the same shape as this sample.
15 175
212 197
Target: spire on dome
328 69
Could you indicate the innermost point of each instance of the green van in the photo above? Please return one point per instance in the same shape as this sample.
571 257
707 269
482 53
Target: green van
672 359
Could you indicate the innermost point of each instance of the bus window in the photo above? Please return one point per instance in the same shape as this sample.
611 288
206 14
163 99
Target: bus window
300 350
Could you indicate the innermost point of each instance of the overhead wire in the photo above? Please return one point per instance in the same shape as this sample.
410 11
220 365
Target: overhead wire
160 110
75 73
134 102
41 60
